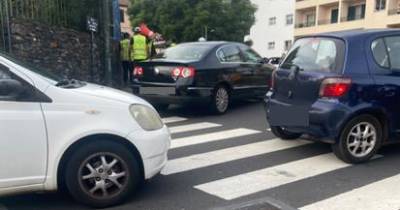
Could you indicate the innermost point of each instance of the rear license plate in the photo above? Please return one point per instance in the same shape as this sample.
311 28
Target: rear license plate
157 90
288 115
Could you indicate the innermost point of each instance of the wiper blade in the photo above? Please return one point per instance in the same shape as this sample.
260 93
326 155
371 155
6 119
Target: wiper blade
70 83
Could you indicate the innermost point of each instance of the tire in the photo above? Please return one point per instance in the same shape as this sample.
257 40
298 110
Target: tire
283 134
220 100
351 141
80 178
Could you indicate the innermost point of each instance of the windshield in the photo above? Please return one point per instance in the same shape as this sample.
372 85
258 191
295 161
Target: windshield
42 72
316 54
186 52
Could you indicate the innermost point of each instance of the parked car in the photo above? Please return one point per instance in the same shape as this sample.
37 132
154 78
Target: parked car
97 142
342 88
211 73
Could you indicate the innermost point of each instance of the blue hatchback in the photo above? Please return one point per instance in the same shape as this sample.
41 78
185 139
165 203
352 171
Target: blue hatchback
342 88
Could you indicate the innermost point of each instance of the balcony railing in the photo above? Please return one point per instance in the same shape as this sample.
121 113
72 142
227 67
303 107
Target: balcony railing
327 21
305 24
394 11
357 17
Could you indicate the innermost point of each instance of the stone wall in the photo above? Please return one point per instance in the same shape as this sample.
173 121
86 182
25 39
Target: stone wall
63 51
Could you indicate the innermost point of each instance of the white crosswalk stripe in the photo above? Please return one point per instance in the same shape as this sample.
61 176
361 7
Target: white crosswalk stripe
173 119
192 127
211 137
225 155
264 179
382 195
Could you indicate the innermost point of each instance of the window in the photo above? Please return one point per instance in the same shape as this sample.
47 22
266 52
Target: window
310 19
250 55
380 5
380 54
186 52
4 72
288 45
272 21
387 52
271 45
334 15
229 54
289 19
356 12
122 15
393 45
316 54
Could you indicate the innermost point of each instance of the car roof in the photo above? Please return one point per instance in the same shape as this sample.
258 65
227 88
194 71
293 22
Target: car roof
358 33
211 44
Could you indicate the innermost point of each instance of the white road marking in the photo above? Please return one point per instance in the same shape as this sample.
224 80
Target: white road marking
264 179
382 195
211 137
173 119
225 155
192 127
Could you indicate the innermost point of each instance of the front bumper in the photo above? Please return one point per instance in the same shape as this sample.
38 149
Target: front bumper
183 94
153 147
325 119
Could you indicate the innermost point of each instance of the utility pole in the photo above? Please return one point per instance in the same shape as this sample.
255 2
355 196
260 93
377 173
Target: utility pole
206 32
107 40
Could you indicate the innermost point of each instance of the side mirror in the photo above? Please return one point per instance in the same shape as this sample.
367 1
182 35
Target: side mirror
11 89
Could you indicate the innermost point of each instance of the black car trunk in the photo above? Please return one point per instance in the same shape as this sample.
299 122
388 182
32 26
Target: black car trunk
159 71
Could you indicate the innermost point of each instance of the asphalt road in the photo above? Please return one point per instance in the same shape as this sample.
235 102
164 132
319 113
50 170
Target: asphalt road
234 162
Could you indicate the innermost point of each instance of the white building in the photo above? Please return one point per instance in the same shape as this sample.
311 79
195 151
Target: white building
272 33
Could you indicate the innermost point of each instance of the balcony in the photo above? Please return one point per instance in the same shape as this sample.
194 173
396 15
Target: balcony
352 18
305 24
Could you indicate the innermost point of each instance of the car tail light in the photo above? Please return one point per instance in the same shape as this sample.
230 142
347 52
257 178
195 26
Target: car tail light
272 81
334 87
138 71
183 72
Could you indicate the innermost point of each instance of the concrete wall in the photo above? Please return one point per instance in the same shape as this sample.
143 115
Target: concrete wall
262 33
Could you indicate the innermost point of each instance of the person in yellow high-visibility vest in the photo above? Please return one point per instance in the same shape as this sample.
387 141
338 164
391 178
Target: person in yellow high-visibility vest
139 47
125 47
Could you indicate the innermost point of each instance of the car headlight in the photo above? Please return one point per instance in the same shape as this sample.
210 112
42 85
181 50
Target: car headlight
146 117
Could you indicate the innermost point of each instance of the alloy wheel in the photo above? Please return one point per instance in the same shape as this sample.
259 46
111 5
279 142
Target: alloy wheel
362 139
103 175
222 99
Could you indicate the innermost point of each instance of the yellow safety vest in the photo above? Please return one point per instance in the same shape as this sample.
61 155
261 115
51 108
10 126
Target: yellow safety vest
125 49
139 48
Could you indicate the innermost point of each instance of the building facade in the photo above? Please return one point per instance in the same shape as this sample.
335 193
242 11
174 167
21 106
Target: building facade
317 16
272 33
126 26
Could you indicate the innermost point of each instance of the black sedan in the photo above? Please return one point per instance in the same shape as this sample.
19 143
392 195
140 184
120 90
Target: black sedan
212 73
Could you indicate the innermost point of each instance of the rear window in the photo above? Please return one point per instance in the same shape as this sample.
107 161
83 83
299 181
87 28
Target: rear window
186 52
316 54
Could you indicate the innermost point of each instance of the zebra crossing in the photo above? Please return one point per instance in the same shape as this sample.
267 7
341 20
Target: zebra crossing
272 177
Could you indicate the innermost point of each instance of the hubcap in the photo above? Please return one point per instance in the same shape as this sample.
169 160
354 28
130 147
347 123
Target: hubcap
103 175
361 139
222 99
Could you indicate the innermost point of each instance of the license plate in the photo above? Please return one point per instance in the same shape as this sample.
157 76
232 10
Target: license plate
157 90
288 115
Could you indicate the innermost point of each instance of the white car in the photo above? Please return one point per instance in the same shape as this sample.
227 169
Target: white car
96 142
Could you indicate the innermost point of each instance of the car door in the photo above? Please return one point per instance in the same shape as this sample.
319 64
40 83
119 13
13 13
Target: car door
23 139
238 75
385 68
260 71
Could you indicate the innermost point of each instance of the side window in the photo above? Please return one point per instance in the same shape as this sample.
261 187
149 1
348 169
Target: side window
393 48
4 75
250 56
229 54
380 54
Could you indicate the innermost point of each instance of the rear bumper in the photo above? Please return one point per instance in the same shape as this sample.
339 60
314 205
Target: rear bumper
183 94
325 119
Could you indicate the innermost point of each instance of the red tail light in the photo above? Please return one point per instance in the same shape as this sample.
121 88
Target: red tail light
138 71
183 72
334 87
272 81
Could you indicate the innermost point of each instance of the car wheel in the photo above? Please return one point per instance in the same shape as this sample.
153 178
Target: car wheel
220 100
102 174
280 132
360 140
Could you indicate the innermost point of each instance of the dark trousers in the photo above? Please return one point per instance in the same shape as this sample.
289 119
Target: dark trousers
127 71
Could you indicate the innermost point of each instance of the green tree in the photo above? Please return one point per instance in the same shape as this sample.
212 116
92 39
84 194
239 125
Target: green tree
187 20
